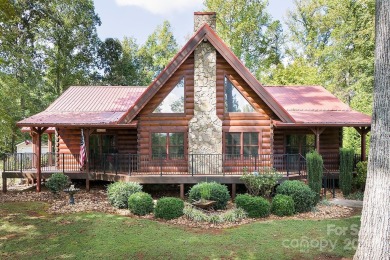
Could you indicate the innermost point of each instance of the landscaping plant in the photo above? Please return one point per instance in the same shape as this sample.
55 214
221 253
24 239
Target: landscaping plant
346 169
361 176
213 190
118 193
315 164
282 205
304 198
57 182
256 207
260 183
169 208
140 203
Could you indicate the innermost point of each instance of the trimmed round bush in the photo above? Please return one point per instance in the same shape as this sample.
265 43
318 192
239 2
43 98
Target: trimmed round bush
169 208
304 198
282 205
218 193
118 193
57 182
256 207
140 203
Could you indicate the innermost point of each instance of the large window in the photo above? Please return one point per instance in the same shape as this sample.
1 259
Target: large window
174 102
234 100
246 144
300 144
168 145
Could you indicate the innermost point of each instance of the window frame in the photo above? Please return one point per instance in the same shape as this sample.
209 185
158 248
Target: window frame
159 114
300 145
167 146
100 142
230 78
242 145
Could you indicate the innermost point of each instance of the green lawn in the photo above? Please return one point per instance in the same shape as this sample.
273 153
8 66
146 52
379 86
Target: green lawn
28 232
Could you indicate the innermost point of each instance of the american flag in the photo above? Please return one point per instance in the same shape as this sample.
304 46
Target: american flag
83 152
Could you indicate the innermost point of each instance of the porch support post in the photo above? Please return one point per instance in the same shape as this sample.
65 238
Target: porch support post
87 133
363 133
39 131
4 184
50 148
234 188
182 191
317 131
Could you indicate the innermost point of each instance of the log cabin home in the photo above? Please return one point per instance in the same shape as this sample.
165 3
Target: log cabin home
205 117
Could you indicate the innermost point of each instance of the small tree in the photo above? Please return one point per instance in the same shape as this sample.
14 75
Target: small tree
346 168
314 172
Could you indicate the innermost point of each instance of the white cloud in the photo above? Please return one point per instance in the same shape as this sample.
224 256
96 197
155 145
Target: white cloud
162 6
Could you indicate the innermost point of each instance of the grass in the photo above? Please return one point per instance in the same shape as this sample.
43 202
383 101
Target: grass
28 232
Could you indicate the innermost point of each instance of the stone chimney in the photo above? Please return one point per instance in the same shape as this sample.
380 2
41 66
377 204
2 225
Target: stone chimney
200 18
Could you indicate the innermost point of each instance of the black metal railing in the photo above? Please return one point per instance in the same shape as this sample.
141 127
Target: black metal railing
192 164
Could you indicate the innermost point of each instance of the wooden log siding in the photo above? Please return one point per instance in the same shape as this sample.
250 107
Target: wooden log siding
330 142
68 143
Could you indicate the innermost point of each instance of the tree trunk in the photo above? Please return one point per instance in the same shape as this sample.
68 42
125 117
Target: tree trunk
374 235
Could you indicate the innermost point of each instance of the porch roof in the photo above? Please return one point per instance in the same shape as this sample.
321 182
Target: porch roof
87 105
314 106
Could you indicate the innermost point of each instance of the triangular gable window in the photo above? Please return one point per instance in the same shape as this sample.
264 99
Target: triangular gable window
174 102
235 101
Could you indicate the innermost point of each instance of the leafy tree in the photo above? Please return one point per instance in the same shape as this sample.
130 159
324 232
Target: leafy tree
158 50
374 234
249 31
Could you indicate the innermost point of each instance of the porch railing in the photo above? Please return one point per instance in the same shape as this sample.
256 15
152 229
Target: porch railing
192 164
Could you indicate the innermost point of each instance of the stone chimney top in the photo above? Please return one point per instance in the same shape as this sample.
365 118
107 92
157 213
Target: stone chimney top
200 18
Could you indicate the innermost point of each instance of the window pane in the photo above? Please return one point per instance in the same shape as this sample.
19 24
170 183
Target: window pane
234 101
250 150
176 152
233 138
233 150
176 139
251 138
159 152
174 102
159 139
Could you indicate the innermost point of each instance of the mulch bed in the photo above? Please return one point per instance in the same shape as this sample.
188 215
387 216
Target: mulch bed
96 201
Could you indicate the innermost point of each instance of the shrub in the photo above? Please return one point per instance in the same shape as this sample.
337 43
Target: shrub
260 183
256 207
169 208
315 166
197 215
346 168
57 182
282 205
361 176
215 191
304 198
355 196
119 192
140 203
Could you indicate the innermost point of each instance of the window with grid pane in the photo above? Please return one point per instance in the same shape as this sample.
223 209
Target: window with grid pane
168 145
237 144
300 144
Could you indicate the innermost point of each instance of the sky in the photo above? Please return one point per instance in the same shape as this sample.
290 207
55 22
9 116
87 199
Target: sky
139 18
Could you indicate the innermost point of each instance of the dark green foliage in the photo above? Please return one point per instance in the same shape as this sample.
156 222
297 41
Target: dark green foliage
361 176
355 196
169 208
218 193
118 193
315 164
304 198
140 203
57 182
282 205
256 207
346 168
260 183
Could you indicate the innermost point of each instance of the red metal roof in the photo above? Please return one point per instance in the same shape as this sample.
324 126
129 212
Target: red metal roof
314 105
87 105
